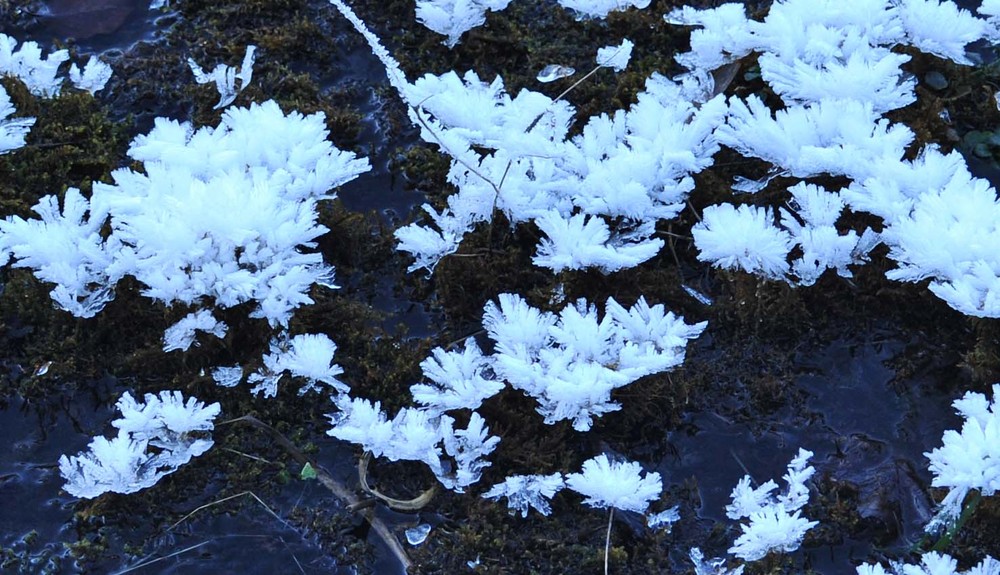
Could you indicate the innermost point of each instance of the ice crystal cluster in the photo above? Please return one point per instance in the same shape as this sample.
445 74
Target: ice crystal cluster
833 68
605 483
931 563
453 18
217 217
40 75
225 77
774 522
596 196
970 458
570 363
155 437
619 485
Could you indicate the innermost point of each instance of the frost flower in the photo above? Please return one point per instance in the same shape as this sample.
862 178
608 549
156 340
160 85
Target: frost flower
617 485
12 130
125 464
524 491
743 237
932 563
225 77
970 458
775 522
93 77
615 57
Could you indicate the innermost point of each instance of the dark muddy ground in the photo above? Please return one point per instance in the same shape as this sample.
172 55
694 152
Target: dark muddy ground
862 372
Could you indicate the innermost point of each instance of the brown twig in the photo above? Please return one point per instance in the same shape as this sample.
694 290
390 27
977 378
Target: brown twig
350 499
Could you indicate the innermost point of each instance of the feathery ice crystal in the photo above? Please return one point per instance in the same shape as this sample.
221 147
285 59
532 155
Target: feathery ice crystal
225 77
932 563
836 75
775 523
572 362
219 215
524 491
970 458
606 484
417 435
175 429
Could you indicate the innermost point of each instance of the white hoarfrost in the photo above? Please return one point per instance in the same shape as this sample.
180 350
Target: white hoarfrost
175 429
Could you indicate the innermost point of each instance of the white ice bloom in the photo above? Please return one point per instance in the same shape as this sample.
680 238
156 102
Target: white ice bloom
615 57
222 215
27 64
455 17
468 448
120 465
617 485
771 529
65 249
458 380
182 334
12 130
525 491
714 566
836 137
512 155
308 356
225 77
601 8
968 459
940 28
455 456
895 187
742 237
774 521
951 237
932 563
810 220
583 241
724 35
814 31
228 376
664 519
178 430
991 9
93 77
571 363
164 419
873 75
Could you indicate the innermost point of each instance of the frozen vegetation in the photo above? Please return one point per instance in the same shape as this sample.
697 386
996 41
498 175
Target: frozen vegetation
214 218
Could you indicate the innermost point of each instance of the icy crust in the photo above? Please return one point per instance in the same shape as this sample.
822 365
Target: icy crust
155 437
217 217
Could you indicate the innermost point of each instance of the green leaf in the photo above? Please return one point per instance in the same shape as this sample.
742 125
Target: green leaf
308 472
